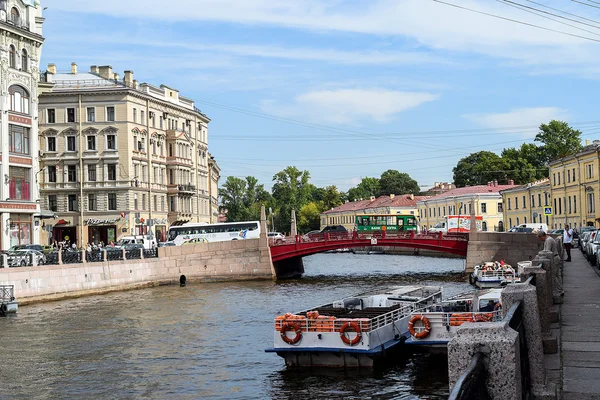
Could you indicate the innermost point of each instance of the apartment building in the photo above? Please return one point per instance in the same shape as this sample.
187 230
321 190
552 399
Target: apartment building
526 203
21 41
574 186
487 200
119 157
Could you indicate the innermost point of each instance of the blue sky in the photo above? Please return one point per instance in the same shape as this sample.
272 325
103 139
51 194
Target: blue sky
346 88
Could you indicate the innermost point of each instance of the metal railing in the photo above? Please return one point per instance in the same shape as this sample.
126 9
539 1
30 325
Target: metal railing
471 384
355 235
7 293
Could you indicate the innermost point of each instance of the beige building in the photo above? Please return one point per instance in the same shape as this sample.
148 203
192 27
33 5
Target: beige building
20 51
526 203
487 200
119 157
346 213
575 187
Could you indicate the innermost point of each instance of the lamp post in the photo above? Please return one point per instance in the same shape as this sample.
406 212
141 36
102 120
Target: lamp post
272 219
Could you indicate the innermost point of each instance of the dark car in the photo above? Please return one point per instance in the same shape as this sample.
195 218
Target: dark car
334 228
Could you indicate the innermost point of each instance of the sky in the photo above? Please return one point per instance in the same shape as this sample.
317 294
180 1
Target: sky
349 88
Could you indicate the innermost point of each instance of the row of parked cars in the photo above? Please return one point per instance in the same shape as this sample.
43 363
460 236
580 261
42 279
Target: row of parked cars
588 241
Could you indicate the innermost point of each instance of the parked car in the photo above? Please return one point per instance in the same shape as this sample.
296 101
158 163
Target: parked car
590 246
334 229
145 241
312 234
583 239
166 244
578 235
25 257
277 237
36 247
521 229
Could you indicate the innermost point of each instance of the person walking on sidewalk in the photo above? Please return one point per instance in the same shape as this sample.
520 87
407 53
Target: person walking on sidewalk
568 241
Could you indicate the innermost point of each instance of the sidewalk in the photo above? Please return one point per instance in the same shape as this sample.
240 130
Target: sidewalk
580 330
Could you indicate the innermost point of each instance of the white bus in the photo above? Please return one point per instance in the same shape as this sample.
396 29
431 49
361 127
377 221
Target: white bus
179 235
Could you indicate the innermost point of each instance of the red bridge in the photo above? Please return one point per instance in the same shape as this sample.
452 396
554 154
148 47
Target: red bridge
453 243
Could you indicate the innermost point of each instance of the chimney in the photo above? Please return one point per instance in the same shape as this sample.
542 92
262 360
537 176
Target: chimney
136 84
495 183
116 75
73 68
52 68
412 196
105 72
511 182
587 141
128 78
436 184
94 69
372 198
392 195
490 184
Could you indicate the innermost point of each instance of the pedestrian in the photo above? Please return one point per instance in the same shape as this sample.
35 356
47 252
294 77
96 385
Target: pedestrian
74 246
551 245
568 241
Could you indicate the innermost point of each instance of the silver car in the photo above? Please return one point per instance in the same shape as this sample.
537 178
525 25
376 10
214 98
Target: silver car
592 246
25 257
583 239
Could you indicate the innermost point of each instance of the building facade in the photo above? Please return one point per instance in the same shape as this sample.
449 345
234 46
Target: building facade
575 187
526 203
119 157
20 51
346 213
487 200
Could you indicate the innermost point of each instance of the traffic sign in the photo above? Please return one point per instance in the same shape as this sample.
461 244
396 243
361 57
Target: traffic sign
547 210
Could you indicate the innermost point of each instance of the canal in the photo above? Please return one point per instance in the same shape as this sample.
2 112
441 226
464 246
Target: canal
208 340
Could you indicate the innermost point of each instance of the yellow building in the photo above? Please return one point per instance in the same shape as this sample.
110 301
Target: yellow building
346 213
119 157
487 200
574 184
525 204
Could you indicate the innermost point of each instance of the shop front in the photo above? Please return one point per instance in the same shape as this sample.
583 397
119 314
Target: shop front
20 231
160 229
102 230
63 231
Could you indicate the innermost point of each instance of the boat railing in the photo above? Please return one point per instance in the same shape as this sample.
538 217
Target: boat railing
7 293
459 318
500 273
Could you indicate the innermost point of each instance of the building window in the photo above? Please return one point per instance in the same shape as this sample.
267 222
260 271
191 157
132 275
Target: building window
112 172
470 209
70 115
142 117
160 120
143 202
71 143
12 57
112 201
517 205
500 208
483 208
510 222
135 202
570 210
19 99
18 140
545 198
91 173
51 115
589 168
539 199
573 174
52 173
155 203
14 16
162 204
173 208
524 202
72 203
555 208
111 142
19 183
52 202
91 114
91 143
509 204
135 115
517 221
92 206
24 61
51 144
554 179
569 176
575 204
110 114
72 173
559 206
533 201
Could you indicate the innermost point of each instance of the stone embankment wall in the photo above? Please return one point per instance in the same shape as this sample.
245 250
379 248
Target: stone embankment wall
494 246
219 261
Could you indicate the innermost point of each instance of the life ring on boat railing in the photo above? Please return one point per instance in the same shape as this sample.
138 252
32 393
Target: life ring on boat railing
291 326
487 317
427 325
354 326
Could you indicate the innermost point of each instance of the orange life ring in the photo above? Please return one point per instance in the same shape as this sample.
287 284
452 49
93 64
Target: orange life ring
354 326
487 317
423 334
291 326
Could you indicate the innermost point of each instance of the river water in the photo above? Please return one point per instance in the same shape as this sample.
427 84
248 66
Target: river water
208 340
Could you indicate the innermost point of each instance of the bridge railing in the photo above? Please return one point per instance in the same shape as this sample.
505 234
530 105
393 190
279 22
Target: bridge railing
356 235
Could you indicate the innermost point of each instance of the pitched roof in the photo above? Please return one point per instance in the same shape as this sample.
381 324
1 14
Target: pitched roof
479 189
404 200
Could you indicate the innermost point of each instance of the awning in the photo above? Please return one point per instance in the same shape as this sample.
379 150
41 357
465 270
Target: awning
46 214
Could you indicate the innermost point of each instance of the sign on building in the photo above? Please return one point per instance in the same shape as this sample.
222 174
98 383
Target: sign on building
547 210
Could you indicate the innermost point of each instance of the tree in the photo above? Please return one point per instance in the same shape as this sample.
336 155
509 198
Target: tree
558 140
395 182
291 190
309 217
232 198
364 190
331 198
525 164
479 169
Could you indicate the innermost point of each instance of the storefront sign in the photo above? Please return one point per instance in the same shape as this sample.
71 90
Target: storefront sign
160 221
93 221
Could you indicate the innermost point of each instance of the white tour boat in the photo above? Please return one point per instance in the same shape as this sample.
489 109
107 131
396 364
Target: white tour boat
438 324
353 332
8 304
493 274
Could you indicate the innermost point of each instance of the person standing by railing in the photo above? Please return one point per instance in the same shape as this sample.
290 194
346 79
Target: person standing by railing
568 241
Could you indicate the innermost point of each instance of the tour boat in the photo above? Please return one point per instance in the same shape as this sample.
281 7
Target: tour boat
436 325
8 304
357 331
493 274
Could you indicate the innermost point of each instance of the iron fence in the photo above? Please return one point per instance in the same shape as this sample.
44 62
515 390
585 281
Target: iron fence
7 293
114 255
151 253
71 257
94 256
134 254
52 258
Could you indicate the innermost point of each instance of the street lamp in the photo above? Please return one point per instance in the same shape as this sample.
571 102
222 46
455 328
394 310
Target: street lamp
272 219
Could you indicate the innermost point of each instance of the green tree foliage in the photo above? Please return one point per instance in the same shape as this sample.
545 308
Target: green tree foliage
364 190
479 169
243 198
395 182
291 190
308 217
331 198
558 140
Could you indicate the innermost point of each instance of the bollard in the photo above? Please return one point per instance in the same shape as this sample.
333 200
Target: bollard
4 261
60 257
500 346
34 260
141 254
123 254
83 258
105 255
527 294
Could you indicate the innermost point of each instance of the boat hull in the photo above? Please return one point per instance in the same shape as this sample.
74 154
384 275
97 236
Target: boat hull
11 307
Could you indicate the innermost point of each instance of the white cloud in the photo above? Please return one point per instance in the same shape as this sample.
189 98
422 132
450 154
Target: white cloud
428 23
345 106
533 116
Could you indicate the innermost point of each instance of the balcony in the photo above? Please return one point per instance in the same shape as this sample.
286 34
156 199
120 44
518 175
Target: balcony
186 162
17 22
187 188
